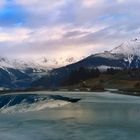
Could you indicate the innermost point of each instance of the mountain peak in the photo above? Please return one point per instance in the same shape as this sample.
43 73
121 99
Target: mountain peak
130 47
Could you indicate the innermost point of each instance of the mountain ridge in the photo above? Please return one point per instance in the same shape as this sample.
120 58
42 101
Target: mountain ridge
22 74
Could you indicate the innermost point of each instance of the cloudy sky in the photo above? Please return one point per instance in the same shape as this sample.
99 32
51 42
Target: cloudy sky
55 28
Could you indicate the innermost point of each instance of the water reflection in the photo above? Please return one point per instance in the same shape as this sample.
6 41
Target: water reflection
102 113
103 118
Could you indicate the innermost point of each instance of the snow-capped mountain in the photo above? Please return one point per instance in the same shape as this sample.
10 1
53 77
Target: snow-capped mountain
37 64
130 47
130 50
22 73
127 55
17 64
18 73
56 62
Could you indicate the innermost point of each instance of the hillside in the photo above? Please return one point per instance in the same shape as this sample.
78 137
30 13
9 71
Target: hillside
123 80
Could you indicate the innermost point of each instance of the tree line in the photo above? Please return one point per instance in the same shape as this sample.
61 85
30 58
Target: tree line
81 74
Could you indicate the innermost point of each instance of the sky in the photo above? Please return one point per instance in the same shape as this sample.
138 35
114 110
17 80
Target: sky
64 28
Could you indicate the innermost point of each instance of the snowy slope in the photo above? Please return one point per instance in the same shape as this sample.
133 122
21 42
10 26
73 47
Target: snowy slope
130 51
56 62
36 64
130 47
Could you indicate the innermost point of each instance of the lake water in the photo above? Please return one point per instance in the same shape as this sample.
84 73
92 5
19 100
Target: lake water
98 116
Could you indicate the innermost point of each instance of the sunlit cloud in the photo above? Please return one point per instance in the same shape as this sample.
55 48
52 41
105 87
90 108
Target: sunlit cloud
90 3
13 35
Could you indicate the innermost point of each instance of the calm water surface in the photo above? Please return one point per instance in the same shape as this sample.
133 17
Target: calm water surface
98 116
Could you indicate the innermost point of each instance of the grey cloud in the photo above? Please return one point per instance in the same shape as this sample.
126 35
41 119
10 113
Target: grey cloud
74 34
120 19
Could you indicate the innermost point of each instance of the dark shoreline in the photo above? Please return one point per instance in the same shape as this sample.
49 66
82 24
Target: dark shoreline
130 92
61 90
